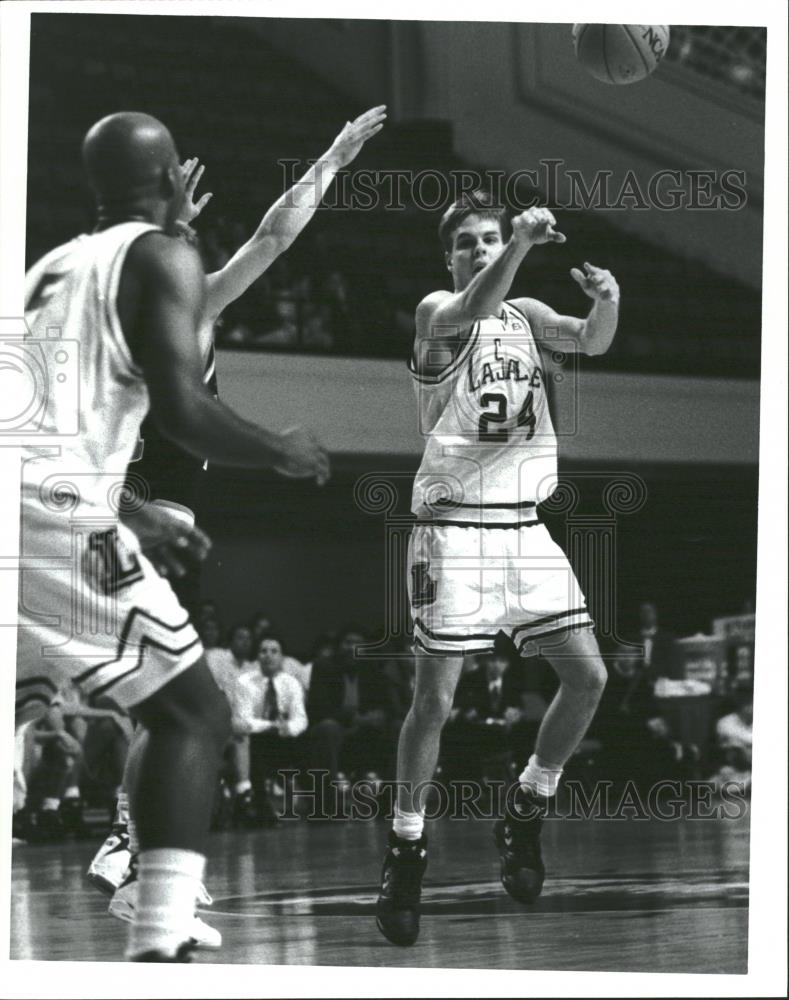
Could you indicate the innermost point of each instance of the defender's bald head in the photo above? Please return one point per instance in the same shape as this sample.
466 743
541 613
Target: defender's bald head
129 156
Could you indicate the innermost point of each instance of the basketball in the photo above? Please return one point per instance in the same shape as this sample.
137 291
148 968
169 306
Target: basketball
620 53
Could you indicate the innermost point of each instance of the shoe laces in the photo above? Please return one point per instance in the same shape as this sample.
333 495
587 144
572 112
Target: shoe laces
403 873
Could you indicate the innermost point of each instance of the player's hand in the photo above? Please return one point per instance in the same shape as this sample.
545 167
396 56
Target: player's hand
597 282
67 744
303 456
354 135
536 226
192 171
167 536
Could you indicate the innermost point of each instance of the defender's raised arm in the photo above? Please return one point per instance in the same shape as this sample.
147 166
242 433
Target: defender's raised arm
286 218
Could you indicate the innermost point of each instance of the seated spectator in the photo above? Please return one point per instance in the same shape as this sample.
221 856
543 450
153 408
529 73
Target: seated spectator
104 735
283 330
349 711
228 663
301 671
657 643
487 720
260 624
74 747
227 666
51 754
621 723
270 713
734 740
316 332
210 633
323 651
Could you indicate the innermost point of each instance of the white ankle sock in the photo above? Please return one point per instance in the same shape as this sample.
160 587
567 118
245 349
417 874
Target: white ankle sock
540 777
242 786
169 879
408 825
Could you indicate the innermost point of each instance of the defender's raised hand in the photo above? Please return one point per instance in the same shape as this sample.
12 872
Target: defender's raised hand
597 282
192 170
354 135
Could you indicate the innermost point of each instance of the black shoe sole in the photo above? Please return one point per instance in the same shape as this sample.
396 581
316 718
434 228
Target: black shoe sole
394 940
527 893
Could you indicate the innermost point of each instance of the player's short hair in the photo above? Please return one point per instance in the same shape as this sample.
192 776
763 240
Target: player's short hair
472 203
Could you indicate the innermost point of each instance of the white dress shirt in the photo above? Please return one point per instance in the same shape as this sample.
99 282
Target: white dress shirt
227 672
251 698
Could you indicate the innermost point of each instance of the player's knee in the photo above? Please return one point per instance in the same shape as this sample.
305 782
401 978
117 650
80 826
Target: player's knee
433 705
192 704
587 677
593 676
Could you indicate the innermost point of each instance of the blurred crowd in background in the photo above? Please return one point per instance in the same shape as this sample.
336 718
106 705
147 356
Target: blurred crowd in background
318 722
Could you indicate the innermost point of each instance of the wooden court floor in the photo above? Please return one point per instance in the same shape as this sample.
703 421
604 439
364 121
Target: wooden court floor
622 895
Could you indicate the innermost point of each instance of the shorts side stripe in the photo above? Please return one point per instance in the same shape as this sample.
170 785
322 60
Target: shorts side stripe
449 652
548 619
449 637
124 638
567 627
144 645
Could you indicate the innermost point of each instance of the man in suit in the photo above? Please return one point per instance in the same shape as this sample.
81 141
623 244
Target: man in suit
657 658
349 708
486 718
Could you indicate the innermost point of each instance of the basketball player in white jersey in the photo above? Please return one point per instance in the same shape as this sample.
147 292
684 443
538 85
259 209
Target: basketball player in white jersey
480 561
172 476
128 301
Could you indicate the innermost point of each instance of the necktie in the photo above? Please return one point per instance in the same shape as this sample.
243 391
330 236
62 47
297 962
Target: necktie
270 704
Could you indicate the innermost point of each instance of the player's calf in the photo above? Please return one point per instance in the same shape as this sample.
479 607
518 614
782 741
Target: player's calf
188 724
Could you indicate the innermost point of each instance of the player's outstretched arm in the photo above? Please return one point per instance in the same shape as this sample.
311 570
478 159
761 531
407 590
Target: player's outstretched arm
168 286
444 319
593 335
286 218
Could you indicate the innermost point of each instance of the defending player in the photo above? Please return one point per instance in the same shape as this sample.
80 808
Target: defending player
172 476
128 300
479 559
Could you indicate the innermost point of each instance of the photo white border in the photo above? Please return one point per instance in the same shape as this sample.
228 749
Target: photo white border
768 874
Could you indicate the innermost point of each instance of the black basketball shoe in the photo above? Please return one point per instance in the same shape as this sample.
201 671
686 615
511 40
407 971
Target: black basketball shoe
183 954
518 840
397 908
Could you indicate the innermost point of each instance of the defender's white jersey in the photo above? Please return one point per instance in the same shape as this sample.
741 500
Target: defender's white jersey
490 445
70 309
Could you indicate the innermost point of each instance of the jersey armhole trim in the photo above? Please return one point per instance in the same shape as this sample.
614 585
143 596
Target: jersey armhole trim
113 319
451 367
523 316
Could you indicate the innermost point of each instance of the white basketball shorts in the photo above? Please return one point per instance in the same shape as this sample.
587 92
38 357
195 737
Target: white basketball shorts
93 611
468 583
